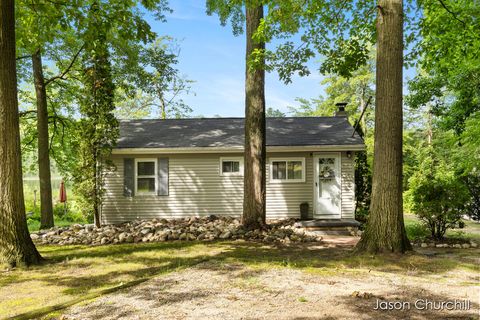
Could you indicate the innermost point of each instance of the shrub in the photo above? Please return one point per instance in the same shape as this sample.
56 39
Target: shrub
361 215
472 182
437 196
416 230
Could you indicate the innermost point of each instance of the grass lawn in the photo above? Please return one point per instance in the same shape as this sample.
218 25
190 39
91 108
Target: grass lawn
34 225
83 273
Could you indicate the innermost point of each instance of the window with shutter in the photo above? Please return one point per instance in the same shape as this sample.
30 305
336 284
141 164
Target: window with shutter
145 176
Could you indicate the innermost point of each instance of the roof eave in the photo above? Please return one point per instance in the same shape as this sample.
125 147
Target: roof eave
238 149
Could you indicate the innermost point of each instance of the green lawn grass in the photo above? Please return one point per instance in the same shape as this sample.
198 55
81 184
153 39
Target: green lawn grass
34 225
73 273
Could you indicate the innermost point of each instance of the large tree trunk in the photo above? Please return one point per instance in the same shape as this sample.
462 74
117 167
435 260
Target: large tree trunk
16 246
46 207
255 151
385 231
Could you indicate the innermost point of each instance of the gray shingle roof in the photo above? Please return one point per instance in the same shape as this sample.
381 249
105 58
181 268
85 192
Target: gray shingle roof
229 132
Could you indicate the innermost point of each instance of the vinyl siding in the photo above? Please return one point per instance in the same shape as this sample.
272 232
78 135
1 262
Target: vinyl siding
348 186
284 198
197 189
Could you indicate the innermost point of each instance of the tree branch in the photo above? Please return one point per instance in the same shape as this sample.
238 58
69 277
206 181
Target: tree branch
452 13
23 57
67 70
24 113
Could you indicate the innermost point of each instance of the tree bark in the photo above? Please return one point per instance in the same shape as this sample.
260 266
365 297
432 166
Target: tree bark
363 106
46 207
385 231
16 246
255 151
97 201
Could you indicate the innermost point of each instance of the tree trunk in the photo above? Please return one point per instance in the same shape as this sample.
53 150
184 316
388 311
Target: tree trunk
46 208
363 106
385 231
16 246
96 198
255 151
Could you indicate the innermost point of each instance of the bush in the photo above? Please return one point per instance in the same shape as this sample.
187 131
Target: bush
361 215
437 196
416 231
472 182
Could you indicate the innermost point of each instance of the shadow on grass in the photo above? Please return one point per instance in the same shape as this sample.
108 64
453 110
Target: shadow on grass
62 259
314 256
81 270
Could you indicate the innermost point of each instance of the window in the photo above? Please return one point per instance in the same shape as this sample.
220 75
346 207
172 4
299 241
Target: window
287 170
231 166
145 176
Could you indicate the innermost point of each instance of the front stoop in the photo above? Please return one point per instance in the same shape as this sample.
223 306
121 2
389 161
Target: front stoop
330 226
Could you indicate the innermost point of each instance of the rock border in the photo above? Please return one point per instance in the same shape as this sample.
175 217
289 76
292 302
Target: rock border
458 245
184 229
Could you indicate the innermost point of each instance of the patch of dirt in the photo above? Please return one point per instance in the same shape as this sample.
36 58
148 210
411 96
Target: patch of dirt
233 291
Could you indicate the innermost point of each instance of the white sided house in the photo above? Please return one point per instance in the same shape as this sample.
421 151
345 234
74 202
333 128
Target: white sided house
194 167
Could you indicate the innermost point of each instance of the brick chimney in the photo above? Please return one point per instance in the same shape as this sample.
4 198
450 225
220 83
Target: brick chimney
340 112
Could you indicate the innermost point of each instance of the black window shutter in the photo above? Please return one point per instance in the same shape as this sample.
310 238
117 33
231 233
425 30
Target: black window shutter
128 177
162 177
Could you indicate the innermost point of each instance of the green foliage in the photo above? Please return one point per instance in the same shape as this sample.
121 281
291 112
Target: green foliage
436 194
98 126
363 186
354 90
228 11
340 32
73 214
133 106
468 162
449 61
91 48
160 82
416 230
449 85
270 113
413 146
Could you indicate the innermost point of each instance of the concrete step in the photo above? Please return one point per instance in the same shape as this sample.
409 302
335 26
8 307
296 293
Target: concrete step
327 223
328 232
343 227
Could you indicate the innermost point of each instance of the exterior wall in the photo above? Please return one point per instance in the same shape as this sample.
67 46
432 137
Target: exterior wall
196 188
348 186
283 199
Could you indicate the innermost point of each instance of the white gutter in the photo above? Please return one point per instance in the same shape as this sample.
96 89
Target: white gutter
354 147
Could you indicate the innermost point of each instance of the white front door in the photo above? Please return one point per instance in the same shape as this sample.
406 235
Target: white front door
327 185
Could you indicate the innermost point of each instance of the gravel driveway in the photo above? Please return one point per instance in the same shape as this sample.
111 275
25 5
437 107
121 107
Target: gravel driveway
233 291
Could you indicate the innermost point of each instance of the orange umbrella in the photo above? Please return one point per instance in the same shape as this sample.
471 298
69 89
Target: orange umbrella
63 192
63 196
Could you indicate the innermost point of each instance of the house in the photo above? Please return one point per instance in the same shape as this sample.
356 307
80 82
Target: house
194 167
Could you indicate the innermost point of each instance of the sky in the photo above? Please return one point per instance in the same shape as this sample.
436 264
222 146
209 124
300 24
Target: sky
214 58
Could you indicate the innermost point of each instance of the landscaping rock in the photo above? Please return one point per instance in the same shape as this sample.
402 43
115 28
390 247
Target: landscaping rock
189 229
225 235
